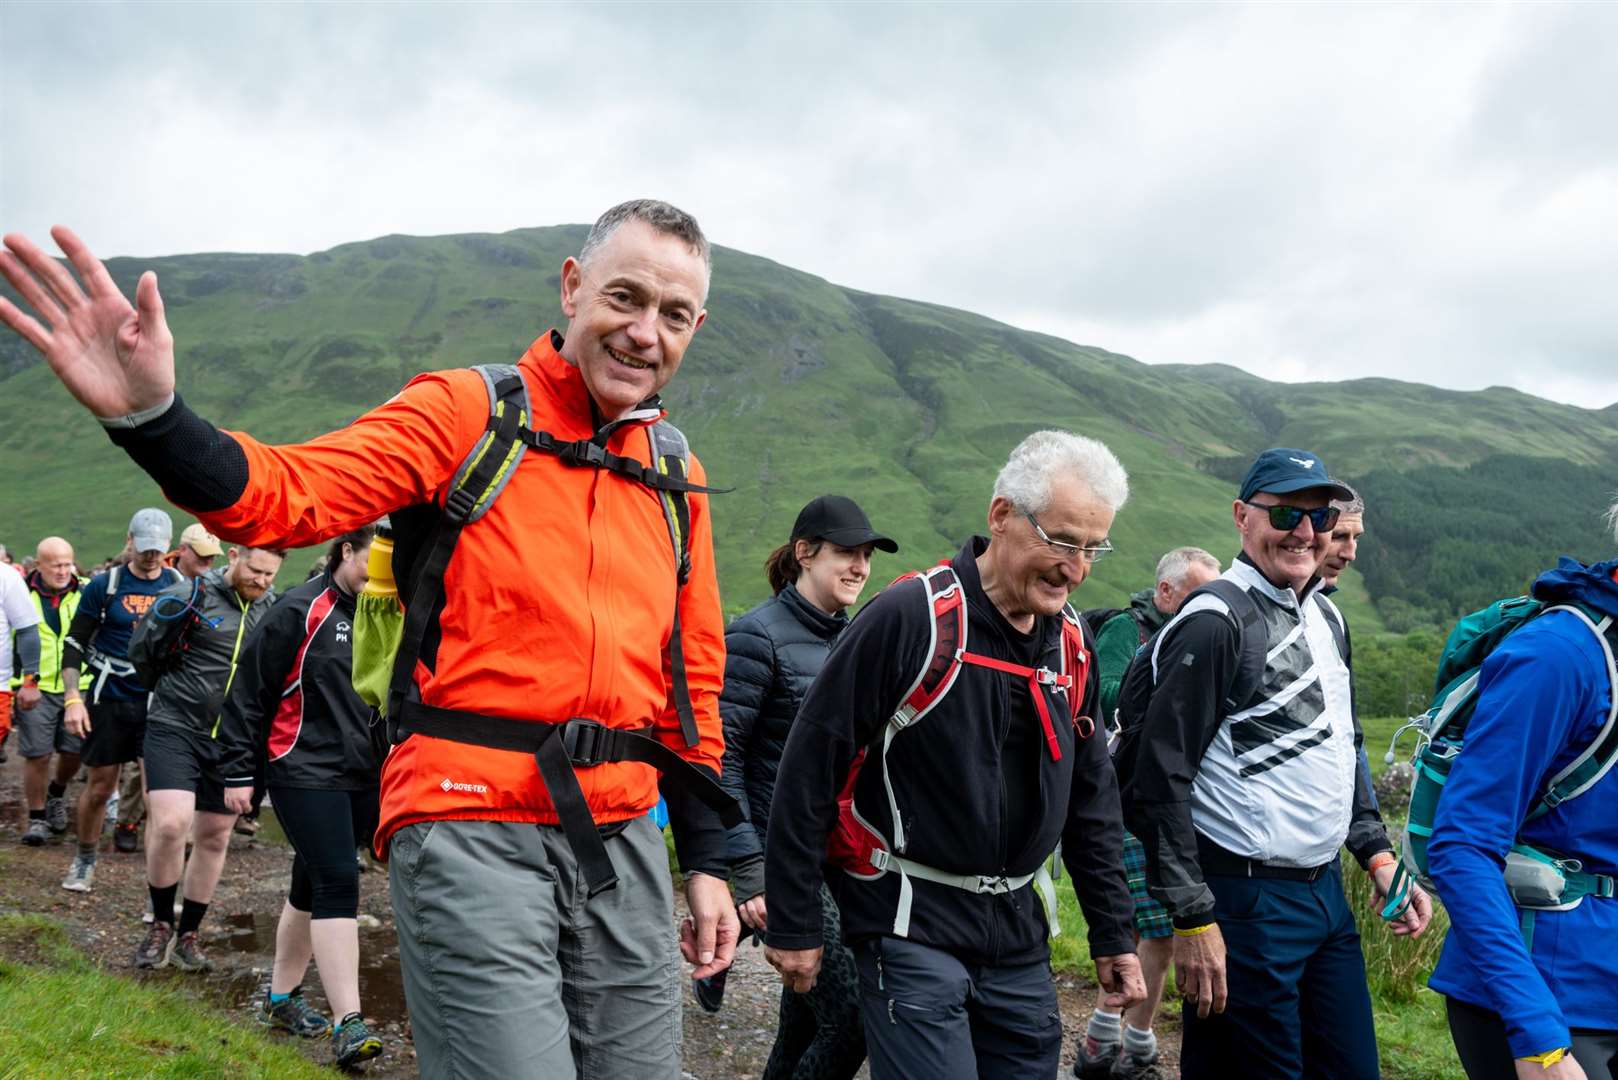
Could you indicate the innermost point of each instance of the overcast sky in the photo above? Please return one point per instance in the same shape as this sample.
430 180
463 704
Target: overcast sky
1427 192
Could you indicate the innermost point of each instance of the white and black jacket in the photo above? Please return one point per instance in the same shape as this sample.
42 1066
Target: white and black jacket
1281 780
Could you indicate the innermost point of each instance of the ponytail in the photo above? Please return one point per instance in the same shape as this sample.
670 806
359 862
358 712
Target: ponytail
782 567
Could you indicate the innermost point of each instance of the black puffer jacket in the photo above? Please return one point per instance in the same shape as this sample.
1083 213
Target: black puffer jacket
772 654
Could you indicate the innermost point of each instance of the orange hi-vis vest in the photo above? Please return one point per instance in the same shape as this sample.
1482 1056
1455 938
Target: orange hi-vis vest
559 602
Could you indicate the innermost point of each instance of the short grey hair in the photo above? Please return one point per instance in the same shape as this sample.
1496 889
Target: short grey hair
1043 456
662 216
1351 505
1173 566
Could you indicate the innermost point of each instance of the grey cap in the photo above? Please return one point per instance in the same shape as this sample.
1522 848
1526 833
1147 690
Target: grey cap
151 529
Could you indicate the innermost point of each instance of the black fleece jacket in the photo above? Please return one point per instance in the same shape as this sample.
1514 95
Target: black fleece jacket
975 783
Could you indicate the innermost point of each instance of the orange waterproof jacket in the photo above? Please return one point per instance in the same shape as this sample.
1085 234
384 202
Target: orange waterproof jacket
559 601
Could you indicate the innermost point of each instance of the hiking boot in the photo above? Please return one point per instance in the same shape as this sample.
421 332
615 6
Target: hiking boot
710 992
1131 1067
1096 1059
294 1014
245 826
38 832
353 1042
187 954
125 838
154 952
56 813
81 875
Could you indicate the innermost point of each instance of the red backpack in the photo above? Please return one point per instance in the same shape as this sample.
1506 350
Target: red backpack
856 846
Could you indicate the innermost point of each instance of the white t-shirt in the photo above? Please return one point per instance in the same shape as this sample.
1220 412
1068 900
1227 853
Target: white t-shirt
16 613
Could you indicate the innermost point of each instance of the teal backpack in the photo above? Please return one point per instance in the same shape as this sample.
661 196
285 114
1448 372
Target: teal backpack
1538 880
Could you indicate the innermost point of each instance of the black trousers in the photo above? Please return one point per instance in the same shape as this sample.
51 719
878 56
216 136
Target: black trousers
929 1015
1480 1043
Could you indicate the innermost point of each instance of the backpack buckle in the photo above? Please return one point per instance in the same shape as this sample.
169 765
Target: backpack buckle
587 742
458 505
583 452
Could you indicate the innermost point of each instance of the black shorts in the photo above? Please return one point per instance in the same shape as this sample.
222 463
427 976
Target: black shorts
180 759
117 729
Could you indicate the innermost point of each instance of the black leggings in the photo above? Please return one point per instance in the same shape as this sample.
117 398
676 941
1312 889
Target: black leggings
820 1036
1480 1043
325 828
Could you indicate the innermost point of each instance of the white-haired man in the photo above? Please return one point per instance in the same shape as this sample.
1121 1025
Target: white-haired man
962 699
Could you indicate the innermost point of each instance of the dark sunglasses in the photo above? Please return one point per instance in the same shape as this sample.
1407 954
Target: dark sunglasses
1286 518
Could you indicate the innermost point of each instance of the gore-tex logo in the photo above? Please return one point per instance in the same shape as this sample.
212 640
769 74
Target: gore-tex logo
450 785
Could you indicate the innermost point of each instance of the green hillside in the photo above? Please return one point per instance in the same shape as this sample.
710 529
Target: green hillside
797 386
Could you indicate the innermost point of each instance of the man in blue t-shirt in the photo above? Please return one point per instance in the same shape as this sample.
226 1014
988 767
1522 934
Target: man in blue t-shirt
108 707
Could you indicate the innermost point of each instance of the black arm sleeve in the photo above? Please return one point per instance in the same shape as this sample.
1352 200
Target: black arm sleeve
256 690
853 696
699 834
198 466
1195 666
1093 840
1366 833
80 633
749 674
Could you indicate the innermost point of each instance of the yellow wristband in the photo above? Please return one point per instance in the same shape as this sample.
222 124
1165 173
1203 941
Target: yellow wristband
73 701
1193 933
1547 1059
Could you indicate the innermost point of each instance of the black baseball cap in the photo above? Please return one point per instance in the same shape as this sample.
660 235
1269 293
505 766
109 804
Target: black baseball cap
1283 470
840 520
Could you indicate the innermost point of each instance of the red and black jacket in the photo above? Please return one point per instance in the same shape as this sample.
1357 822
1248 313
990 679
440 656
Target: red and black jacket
292 705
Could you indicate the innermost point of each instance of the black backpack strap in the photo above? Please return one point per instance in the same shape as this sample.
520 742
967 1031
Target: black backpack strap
561 748
671 454
1339 628
587 453
1253 642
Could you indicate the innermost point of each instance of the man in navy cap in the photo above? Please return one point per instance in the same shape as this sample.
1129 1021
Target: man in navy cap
1247 780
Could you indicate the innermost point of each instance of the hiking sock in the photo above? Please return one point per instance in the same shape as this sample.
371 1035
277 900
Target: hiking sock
36 815
276 999
1138 1043
1105 1028
345 1020
87 852
56 790
191 914
163 902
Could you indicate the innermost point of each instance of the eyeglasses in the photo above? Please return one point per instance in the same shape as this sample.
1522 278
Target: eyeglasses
1066 550
1286 518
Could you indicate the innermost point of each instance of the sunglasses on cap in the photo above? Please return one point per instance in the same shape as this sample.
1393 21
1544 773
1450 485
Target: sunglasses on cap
1286 518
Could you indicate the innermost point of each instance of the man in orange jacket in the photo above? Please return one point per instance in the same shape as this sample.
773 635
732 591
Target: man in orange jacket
560 614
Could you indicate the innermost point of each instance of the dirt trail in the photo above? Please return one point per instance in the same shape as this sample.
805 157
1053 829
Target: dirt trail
240 937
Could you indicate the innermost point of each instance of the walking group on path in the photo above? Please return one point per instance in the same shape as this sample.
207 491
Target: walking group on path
883 800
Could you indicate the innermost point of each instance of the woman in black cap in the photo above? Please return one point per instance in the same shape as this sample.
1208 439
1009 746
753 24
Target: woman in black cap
772 655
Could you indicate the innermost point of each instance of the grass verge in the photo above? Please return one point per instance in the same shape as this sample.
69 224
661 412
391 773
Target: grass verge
62 1016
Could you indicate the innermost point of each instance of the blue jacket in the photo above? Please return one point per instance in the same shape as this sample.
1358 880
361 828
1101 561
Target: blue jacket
1543 695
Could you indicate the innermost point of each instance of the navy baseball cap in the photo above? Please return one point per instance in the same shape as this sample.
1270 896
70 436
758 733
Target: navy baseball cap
1283 470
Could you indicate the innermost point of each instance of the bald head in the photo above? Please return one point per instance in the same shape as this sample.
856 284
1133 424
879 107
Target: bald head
53 559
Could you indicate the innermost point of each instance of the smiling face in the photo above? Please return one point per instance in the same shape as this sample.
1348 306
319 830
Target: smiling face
631 314
833 576
1343 547
1023 574
1285 558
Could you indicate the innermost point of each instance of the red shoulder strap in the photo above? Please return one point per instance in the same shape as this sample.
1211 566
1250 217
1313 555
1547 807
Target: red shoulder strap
946 609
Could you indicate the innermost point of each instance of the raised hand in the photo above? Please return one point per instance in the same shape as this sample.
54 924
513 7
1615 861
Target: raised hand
116 359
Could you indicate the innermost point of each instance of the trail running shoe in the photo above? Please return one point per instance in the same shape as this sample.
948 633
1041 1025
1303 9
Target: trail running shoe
1096 1059
56 813
81 875
154 952
148 915
294 1014
187 954
38 832
710 992
353 1042
1131 1067
245 826
125 838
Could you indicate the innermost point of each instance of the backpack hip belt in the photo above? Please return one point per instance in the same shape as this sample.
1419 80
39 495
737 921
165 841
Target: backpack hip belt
110 667
558 747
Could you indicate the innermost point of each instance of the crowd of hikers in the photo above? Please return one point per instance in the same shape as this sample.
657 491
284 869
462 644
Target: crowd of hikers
498 691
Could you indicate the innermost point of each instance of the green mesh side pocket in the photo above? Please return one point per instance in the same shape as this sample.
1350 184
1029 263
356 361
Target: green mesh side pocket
378 626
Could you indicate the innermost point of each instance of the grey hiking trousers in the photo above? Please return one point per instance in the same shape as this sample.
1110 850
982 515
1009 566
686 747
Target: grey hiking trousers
509 973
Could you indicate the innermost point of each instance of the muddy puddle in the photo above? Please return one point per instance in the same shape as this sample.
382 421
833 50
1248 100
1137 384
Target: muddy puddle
248 949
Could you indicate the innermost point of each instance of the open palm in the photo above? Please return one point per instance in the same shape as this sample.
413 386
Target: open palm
115 358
